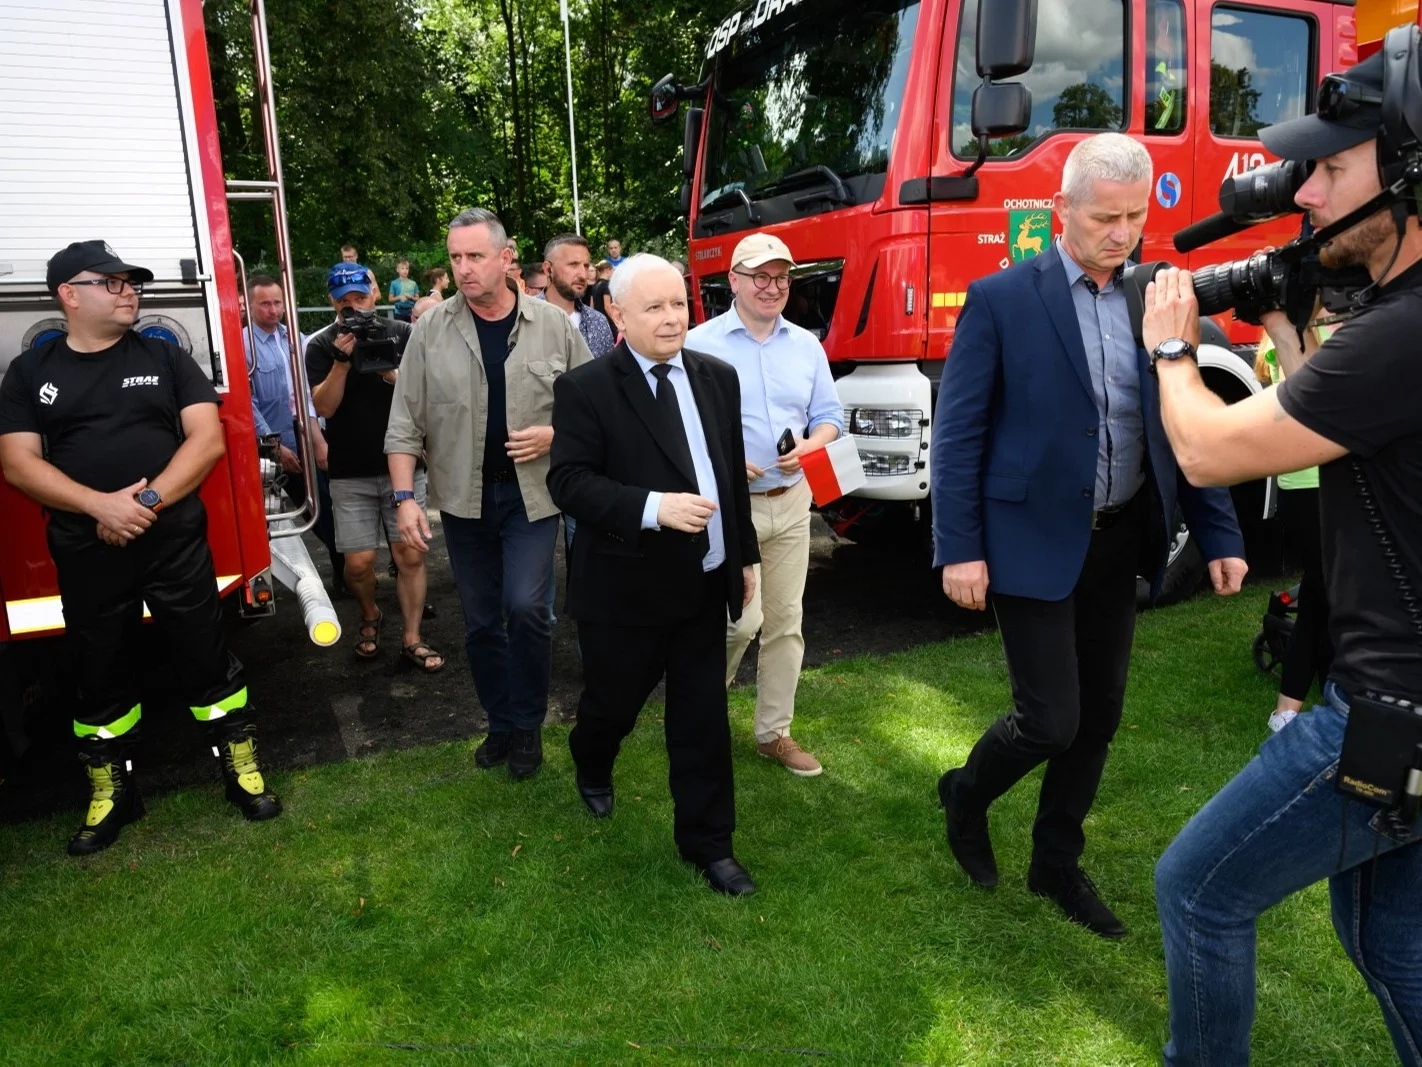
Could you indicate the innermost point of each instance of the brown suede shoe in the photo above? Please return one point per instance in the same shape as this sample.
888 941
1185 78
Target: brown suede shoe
795 759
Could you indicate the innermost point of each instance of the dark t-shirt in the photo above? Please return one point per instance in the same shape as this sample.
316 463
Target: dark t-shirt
355 433
107 418
1361 390
494 347
597 297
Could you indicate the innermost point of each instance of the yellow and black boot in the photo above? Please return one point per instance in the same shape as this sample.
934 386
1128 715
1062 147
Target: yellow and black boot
114 801
234 743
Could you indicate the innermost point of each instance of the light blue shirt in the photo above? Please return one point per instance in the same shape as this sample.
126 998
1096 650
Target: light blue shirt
785 385
700 458
272 407
1116 380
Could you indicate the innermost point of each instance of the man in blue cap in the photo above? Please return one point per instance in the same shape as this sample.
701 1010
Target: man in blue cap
352 383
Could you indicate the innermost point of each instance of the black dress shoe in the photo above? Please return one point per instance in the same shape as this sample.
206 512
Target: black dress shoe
494 749
968 838
728 877
597 798
526 753
1072 890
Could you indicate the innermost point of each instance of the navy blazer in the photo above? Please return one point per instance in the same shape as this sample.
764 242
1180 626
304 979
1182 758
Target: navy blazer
1015 444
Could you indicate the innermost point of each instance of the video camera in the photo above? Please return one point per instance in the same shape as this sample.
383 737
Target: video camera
375 349
1292 278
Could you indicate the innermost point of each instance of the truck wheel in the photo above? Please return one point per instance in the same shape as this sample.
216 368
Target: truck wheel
1184 571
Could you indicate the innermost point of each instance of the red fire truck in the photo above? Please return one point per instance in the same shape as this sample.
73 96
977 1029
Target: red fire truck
846 128
109 131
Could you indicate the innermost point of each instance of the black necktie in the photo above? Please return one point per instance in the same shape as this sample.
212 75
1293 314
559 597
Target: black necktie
677 443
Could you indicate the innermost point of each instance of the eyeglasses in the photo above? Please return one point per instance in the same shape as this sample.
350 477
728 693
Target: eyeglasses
535 290
1337 98
761 280
113 285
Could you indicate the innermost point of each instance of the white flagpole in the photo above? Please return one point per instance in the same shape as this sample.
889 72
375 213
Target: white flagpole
572 137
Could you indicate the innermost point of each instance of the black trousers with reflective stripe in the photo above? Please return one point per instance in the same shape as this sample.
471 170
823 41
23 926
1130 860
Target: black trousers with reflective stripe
103 590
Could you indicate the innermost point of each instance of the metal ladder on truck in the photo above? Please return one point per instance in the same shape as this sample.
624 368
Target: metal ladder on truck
291 562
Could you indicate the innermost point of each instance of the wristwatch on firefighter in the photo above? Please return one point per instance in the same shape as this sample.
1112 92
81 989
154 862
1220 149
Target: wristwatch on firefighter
1171 349
150 498
399 496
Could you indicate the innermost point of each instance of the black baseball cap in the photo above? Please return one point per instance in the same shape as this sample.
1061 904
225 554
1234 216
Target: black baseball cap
96 256
1349 113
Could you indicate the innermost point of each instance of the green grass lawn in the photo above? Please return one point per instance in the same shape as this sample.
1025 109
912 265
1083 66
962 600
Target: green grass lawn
408 909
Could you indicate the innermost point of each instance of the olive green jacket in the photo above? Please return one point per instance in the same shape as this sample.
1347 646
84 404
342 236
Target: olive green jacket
441 399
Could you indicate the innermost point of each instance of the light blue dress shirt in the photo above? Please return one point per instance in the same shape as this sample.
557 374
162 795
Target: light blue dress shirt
700 458
272 407
785 385
1116 381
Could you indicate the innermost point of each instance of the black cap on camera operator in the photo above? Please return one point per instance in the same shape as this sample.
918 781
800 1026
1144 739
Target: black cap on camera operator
1350 406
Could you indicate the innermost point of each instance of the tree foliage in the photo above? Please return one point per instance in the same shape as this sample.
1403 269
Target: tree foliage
394 115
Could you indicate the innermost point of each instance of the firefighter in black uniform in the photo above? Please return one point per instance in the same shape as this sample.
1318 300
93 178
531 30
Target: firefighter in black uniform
113 433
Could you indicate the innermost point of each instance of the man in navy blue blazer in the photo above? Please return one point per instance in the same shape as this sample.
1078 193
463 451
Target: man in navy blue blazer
1053 487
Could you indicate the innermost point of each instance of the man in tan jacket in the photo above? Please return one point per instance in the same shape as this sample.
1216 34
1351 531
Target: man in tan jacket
475 396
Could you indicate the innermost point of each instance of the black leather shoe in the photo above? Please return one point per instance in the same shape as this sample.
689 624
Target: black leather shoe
526 753
968 838
597 798
728 877
1072 890
494 749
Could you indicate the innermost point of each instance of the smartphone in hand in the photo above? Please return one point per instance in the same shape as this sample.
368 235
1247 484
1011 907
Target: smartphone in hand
786 444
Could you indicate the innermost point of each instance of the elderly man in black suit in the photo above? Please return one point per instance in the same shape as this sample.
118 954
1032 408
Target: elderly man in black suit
648 458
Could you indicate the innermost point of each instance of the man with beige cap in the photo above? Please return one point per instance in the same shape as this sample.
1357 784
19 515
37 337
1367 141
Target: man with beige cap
785 386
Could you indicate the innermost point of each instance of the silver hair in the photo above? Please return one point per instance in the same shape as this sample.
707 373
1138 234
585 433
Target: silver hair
1110 157
626 274
478 216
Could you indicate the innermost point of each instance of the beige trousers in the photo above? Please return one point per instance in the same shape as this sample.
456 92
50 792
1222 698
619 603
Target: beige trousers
782 526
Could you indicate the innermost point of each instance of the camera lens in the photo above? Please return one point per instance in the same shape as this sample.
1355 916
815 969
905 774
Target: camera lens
1264 191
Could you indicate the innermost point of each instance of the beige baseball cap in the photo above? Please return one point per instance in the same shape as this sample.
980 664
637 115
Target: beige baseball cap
759 249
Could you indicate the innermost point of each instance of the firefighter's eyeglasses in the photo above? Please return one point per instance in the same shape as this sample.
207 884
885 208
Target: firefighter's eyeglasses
761 280
113 285
1337 98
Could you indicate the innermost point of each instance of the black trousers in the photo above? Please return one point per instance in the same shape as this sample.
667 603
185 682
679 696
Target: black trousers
103 590
621 667
1310 651
1067 661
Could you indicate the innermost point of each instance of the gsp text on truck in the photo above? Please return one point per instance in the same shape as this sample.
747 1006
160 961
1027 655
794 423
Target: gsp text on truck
848 129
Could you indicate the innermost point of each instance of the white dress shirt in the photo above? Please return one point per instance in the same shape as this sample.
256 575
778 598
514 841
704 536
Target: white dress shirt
700 458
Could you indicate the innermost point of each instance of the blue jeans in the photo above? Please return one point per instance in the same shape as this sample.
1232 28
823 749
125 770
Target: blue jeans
502 567
1277 827
568 527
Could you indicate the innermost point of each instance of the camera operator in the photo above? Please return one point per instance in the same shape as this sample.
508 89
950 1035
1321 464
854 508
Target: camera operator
351 368
1351 407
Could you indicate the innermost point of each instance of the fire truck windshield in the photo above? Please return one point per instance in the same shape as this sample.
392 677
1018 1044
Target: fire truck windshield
820 88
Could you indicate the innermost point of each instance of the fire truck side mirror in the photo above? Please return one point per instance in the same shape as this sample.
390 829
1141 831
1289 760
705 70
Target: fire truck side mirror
691 140
1007 38
1001 110
665 99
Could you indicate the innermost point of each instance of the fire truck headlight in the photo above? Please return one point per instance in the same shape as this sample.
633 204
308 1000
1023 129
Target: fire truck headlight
885 464
885 422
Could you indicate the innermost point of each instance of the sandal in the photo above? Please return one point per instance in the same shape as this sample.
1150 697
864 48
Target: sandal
368 637
421 659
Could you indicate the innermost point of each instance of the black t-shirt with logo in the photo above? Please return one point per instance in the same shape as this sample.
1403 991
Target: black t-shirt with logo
107 418
355 434
1363 391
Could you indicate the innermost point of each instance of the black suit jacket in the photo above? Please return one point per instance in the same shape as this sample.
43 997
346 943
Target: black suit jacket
609 452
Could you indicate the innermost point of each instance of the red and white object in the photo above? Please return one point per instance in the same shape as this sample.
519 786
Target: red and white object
833 471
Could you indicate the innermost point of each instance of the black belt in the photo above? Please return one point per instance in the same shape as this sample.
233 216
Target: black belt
1106 518
500 477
